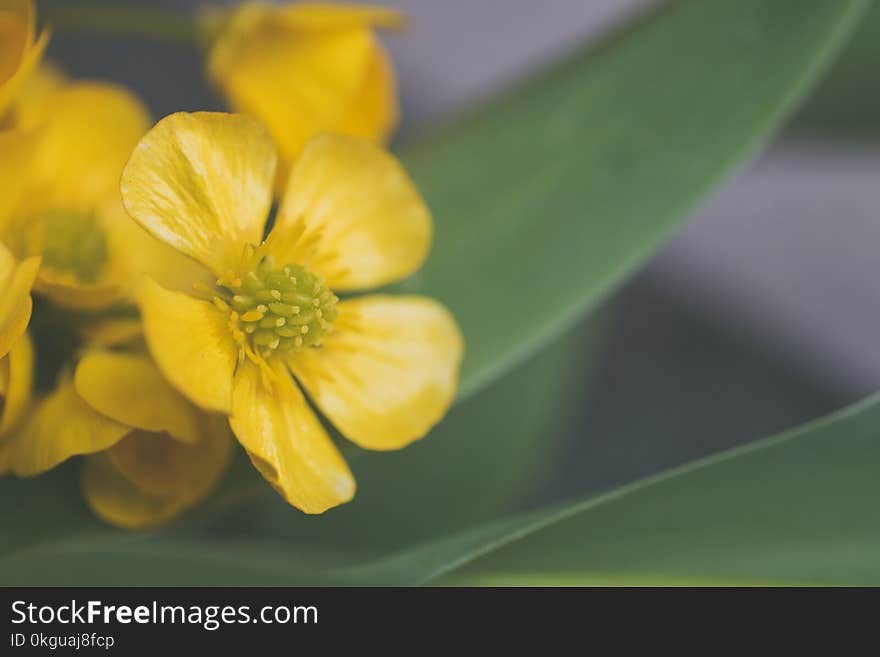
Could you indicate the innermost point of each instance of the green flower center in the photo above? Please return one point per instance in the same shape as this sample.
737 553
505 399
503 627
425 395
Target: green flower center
73 242
280 308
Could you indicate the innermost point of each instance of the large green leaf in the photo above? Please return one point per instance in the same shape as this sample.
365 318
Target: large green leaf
551 195
544 201
848 101
797 508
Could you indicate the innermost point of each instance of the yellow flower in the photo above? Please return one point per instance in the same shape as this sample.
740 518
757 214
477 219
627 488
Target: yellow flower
16 351
20 49
382 369
16 279
303 69
152 453
60 198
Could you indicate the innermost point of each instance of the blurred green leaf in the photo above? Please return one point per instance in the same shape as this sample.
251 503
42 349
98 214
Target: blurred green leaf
550 196
797 508
848 100
544 201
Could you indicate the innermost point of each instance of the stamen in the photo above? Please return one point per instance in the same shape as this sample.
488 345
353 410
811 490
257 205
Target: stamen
266 308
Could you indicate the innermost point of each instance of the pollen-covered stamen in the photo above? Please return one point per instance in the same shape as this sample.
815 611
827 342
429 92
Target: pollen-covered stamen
280 308
69 242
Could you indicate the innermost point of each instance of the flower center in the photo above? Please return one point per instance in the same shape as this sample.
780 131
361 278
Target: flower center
72 242
280 308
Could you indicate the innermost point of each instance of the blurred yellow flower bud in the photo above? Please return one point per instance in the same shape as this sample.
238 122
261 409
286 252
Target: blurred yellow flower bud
304 69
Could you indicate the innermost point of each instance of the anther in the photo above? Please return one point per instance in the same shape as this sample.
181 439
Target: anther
277 309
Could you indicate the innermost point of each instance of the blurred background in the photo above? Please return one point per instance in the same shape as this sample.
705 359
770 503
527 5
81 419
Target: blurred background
762 313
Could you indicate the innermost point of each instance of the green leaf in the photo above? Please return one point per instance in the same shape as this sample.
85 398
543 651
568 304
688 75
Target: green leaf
549 197
799 508
848 100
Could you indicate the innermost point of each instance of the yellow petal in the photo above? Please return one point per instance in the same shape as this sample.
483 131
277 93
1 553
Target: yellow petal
202 183
133 252
65 290
34 93
388 370
351 213
16 19
19 53
160 466
285 76
16 378
191 344
17 151
118 501
286 442
375 112
130 389
62 425
90 129
302 70
147 479
16 280
111 332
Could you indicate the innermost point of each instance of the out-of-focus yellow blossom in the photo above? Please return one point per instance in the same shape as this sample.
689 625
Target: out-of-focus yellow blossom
16 279
61 200
383 369
16 350
152 454
303 69
16 377
20 51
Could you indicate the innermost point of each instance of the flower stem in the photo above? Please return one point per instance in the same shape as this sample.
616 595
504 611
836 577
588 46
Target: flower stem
156 24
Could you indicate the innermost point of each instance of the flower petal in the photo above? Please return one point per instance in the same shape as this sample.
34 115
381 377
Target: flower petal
16 378
65 290
297 82
117 501
130 389
16 281
191 344
18 148
111 332
133 252
31 98
90 129
202 183
351 213
160 466
19 52
147 478
62 425
387 372
286 442
16 21
375 112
